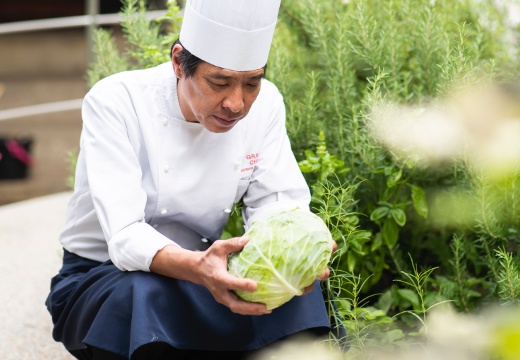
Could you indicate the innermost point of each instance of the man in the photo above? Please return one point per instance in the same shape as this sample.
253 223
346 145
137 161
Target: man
165 153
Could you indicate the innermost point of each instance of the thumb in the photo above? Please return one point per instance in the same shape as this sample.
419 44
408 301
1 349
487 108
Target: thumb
236 244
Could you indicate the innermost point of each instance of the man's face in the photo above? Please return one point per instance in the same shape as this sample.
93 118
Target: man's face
215 97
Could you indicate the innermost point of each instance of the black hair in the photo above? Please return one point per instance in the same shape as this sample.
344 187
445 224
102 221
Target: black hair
189 62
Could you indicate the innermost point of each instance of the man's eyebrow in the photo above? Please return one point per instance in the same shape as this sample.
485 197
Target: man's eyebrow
256 77
226 77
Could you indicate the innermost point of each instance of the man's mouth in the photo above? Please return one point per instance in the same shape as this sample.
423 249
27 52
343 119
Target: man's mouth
226 121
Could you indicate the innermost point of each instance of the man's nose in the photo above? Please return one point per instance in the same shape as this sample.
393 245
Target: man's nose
234 100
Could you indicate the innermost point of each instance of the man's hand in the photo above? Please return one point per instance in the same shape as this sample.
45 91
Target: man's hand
209 268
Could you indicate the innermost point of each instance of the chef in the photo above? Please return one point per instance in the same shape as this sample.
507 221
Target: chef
165 153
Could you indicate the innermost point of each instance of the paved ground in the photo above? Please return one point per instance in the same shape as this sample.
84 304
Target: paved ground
30 255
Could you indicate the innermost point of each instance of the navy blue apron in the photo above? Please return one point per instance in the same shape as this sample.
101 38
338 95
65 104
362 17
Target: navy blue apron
96 304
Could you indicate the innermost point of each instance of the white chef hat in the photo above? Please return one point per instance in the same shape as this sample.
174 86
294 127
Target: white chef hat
232 34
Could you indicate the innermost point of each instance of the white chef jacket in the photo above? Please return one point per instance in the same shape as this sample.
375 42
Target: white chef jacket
146 177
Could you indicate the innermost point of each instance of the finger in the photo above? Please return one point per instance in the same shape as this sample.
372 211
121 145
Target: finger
241 284
324 275
308 289
234 244
243 307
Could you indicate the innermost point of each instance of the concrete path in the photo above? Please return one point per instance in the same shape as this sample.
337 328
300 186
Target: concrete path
30 254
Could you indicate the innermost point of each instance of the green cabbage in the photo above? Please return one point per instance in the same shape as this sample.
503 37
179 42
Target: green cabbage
285 253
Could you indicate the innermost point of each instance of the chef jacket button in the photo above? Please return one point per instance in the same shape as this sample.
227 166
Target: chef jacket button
204 240
155 225
166 168
165 122
164 211
227 210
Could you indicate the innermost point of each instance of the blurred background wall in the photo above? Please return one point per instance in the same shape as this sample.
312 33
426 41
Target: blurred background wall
42 81
15 10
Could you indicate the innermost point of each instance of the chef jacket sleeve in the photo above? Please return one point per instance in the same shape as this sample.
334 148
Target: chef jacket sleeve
111 144
277 182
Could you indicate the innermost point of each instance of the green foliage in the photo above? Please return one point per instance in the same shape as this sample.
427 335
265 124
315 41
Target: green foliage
357 55
149 46
508 278
72 159
420 298
367 326
108 59
462 291
235 224
147 42
321 162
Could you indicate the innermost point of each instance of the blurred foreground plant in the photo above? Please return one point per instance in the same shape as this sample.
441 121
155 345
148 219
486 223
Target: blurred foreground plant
491 334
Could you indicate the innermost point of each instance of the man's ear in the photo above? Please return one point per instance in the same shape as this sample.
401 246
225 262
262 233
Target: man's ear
177 68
